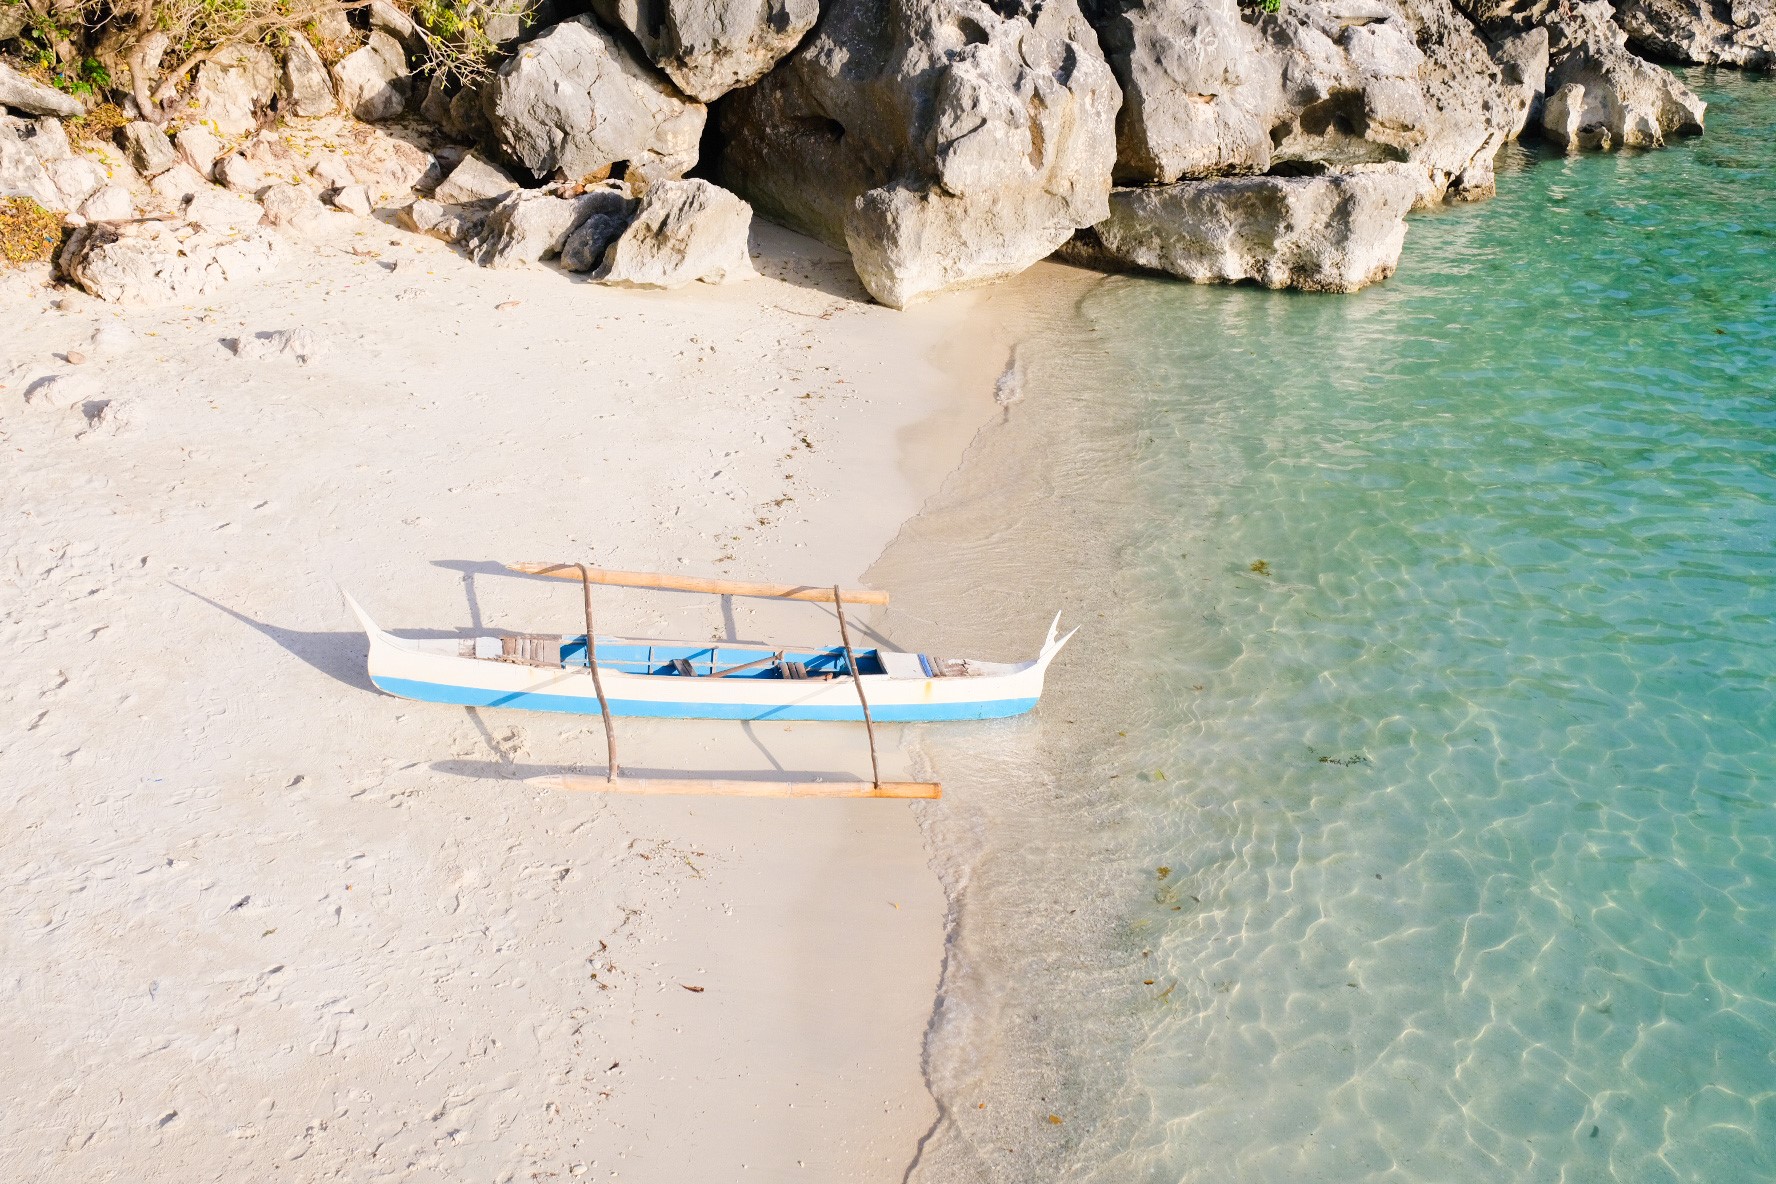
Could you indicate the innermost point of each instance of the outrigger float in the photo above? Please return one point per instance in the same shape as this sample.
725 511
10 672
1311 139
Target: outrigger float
701 680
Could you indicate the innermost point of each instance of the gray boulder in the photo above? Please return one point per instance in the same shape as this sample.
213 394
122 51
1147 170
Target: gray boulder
574 104
294 208
372 82
683 232
147 148
304 86
451 223
232 89
76 179
710 47
609 211
23 171
157 262
525 226
943 142
199 148
33 98
1320 234
1703 32
473 179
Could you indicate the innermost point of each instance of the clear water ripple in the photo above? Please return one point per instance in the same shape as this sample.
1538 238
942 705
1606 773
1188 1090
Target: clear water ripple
1436 668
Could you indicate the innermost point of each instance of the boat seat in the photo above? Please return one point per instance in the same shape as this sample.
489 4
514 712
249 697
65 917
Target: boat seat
683 666
795 670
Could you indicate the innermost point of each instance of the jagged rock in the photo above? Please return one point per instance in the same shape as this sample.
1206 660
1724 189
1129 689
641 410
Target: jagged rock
76 179
156 262
232 88
239 174
292 207
1321 234
199 148
1612 99
609 211
475 179
684 231
353 199
147 148
574 103
944 142
467 121
435 106
373 82
526 226
1321 83
33 98
304 85
710 47
1523 62
1703 32
452 224
110 204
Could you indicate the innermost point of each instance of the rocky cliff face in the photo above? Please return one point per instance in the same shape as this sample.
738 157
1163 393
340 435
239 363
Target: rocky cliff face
942 143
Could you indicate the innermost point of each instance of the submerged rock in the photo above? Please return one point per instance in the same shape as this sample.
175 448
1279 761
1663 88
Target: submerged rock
683 232
157 262
1320 234
943 142
574 104
710 47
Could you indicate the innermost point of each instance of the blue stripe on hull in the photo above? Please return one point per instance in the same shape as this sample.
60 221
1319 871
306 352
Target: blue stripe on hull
432 692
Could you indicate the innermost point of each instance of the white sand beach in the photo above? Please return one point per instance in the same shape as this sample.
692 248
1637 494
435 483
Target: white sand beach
264 922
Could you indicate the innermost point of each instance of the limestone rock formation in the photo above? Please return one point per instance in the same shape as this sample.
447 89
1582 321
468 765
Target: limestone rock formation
23 171
1321 234
1703 32
943 142
1621 100
683 232
1609 97
199 148
451 223
304 87
1211 89
232 88
33 98
158 262
1523 61
575 104
147 147
373 81
710 47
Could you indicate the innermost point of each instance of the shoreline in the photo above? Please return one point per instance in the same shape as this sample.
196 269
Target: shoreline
289 922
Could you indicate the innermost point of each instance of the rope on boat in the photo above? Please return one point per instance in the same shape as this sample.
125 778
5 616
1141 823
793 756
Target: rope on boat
869 724
610 733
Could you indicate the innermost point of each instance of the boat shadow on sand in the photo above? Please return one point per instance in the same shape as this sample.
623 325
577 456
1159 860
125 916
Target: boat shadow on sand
343 656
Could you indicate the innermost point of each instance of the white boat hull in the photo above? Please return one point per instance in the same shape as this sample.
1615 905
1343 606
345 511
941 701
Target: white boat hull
988 690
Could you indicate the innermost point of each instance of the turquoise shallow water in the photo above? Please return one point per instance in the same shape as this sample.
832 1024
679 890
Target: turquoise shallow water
1408 810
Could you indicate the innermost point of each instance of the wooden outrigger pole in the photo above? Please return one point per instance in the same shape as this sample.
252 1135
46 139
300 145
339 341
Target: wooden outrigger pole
836 596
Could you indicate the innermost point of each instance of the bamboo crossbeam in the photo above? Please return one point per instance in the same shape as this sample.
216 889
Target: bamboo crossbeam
869 725
581 783
649 579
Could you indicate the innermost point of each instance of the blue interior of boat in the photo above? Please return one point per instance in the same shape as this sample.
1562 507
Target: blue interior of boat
657 659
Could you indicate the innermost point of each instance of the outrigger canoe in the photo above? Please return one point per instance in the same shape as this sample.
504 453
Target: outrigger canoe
702 680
